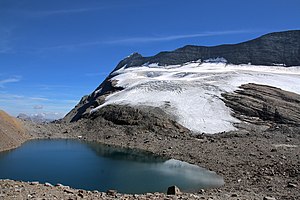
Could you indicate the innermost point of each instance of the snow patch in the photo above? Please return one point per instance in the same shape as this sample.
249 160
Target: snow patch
98 91
216 60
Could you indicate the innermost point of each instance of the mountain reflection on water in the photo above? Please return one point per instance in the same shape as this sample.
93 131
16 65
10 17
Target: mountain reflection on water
118 153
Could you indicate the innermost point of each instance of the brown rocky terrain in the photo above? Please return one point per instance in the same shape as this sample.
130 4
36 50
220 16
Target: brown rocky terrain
12 132
258 161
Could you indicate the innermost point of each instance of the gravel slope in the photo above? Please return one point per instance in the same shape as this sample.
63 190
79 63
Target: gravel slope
12 132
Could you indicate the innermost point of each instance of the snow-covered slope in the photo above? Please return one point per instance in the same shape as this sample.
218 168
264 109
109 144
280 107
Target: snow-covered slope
191 92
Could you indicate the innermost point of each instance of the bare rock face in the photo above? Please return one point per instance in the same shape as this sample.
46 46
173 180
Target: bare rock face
266 103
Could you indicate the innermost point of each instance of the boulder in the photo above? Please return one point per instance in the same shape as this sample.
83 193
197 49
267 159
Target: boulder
173 190
48 184
269 198
111 192
292 185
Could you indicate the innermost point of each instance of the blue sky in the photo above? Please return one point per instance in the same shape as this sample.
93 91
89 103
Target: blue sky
52 52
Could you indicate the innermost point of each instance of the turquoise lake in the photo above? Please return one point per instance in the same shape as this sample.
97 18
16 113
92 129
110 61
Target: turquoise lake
92 166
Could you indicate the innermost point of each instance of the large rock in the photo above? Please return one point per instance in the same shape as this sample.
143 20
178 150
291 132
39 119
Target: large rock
111 192
173 190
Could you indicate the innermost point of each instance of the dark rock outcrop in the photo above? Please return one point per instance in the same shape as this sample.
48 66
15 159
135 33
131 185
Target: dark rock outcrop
269 49
130 120
265 103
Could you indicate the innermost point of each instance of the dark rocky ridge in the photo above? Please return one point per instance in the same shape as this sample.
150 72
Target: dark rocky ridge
270 49
256 103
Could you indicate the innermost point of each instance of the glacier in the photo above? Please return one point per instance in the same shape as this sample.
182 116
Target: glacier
191 92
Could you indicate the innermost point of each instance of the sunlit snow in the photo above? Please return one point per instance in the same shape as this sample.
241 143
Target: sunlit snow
191 92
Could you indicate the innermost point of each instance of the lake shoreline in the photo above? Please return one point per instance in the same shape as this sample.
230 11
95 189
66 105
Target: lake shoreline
255 163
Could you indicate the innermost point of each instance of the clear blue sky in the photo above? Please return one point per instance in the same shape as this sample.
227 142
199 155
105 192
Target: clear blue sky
52 52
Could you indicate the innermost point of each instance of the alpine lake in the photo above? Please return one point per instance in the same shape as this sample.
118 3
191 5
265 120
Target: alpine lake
94 166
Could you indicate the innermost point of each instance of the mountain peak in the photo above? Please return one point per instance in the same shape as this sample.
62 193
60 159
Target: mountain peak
134 55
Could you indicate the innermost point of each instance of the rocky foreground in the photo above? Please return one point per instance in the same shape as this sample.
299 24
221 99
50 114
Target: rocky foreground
258 161
34 190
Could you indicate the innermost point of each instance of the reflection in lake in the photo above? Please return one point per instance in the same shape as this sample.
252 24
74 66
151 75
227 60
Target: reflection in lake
116 153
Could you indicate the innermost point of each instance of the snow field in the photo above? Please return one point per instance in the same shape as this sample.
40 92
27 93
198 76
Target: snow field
192 92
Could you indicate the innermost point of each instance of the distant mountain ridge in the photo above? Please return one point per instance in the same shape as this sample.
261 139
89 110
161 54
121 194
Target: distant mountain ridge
271 50
37 118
